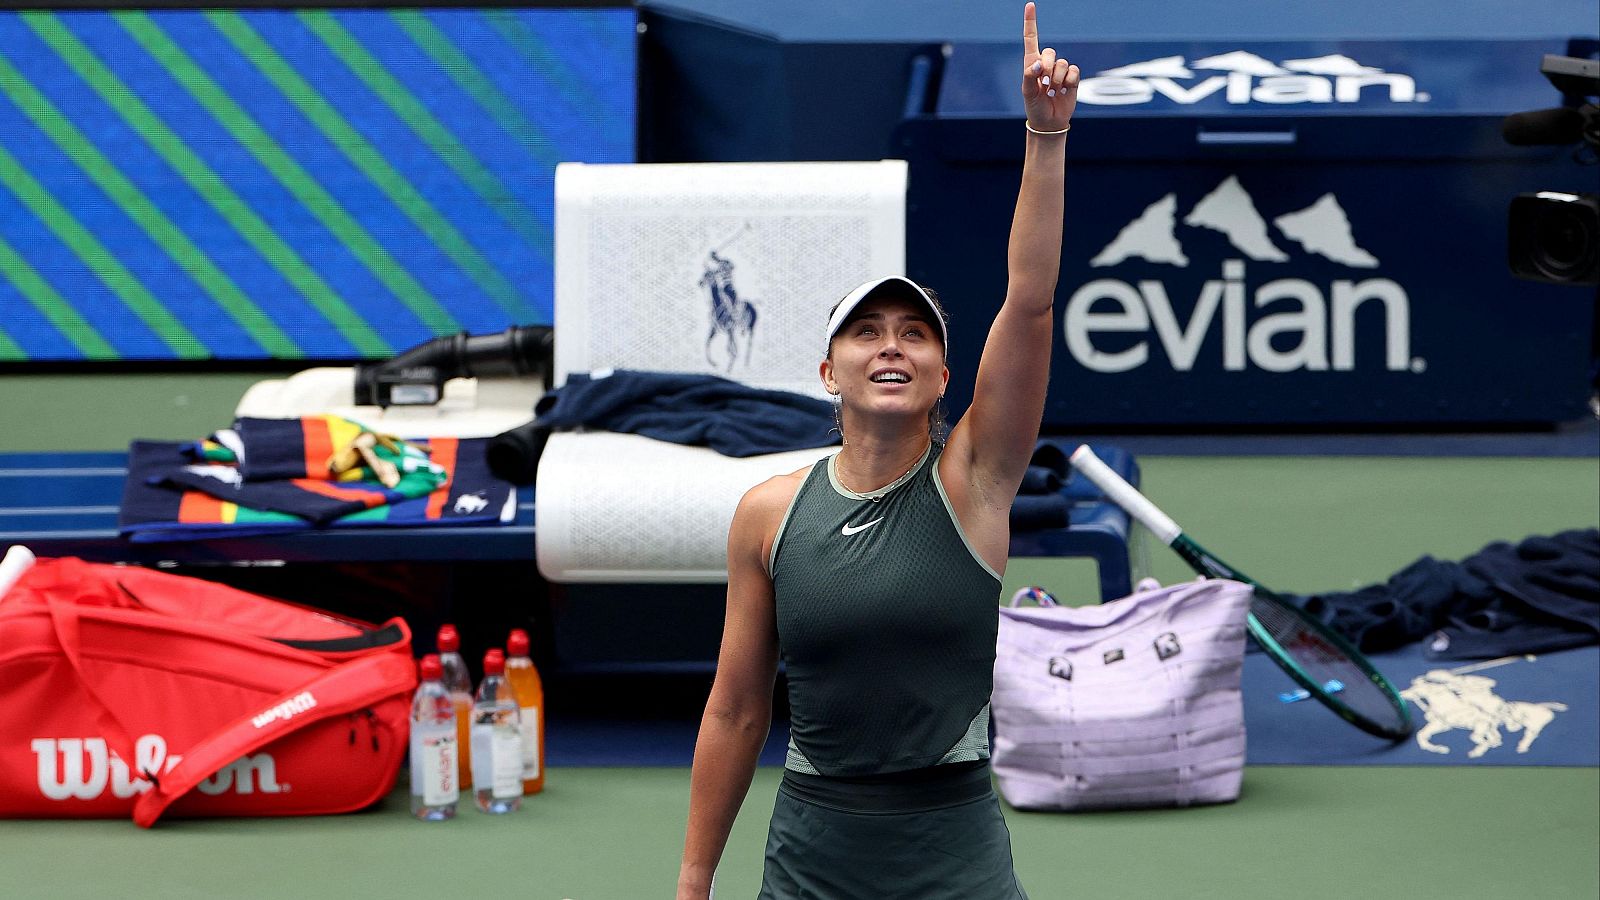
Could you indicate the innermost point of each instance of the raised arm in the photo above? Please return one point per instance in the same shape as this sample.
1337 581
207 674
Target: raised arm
738 713
996 436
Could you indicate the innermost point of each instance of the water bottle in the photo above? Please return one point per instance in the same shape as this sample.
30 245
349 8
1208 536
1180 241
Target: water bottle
435 783
529 691
496 740
458 681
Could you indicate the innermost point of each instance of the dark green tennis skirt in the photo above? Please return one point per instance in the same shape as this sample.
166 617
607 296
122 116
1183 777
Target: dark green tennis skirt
930 834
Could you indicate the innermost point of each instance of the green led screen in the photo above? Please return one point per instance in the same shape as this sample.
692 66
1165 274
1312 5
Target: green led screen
283 184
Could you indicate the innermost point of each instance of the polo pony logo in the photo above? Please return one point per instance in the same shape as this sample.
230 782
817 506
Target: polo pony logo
470 504
733 319
1452 699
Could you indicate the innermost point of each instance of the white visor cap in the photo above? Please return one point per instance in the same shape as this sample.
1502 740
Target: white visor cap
893 285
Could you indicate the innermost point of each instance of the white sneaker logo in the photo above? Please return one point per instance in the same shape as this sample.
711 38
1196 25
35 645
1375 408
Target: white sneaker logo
852 529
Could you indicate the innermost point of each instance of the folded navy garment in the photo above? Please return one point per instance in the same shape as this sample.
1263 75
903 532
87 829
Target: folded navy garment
1048 454
1033 512
1537 596
155 508
1040 480
1054 455
730 418
514 454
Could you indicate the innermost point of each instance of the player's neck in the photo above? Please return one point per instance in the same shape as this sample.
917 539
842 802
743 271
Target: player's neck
871 460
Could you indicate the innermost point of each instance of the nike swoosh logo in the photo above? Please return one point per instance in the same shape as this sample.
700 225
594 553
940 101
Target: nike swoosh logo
852 529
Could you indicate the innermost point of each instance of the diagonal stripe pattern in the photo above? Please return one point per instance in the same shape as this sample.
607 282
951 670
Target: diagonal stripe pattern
137 206
427 127
288 171
99 260
401 192
205 181
267 183
50 304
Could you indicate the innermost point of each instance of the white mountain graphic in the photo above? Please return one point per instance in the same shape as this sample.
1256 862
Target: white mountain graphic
1165 67
1150 236
1324 229
1230 210
1336 64
1240 61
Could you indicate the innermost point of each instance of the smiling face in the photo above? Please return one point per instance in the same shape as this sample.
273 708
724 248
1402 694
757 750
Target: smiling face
887 359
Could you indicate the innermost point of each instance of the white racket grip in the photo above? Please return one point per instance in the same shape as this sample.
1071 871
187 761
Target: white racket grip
1125 495
18 560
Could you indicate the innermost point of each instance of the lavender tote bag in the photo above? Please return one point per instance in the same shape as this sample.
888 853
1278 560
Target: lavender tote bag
1132 703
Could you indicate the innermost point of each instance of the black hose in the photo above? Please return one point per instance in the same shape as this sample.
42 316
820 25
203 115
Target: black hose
514 455
521 350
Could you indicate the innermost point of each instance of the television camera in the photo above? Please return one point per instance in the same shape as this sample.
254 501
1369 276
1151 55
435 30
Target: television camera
1554 236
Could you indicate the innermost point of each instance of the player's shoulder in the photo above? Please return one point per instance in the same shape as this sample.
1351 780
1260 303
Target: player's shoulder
761 511
771 498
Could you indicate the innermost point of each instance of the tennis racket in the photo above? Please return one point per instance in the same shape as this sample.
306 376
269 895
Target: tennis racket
1322 662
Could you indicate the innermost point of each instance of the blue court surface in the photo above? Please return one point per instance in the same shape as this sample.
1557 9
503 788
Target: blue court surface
1558 693
1539 710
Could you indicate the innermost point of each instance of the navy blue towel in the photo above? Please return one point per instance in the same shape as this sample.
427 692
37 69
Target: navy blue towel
1537 596
1040 480
730 418
1036 512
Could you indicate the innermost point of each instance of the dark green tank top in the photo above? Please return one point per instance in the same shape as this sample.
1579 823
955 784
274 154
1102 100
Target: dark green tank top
887 621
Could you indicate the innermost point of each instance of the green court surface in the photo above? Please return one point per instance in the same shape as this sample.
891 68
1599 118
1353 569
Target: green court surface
1301 523
616 833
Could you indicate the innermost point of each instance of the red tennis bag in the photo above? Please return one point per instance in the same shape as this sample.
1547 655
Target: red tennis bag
127 690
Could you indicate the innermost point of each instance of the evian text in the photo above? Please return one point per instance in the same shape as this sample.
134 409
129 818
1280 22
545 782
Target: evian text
1321 329
1242 77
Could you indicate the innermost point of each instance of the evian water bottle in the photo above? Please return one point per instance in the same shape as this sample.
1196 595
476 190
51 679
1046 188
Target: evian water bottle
496 740
435 785
459 683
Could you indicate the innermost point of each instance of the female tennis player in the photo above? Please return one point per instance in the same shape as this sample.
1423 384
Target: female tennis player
875 574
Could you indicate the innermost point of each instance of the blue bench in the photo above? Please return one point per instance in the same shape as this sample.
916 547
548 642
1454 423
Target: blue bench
65 504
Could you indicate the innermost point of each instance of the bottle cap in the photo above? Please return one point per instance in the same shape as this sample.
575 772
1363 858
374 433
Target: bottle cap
494 662
449 639
432 670
517 644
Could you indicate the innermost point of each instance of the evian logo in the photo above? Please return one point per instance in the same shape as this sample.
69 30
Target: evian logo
1240 77
83 768
286 710
1303 326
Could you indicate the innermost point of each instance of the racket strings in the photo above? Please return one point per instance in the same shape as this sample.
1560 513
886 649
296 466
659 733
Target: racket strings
1323 662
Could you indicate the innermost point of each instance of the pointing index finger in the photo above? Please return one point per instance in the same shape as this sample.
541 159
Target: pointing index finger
1030 31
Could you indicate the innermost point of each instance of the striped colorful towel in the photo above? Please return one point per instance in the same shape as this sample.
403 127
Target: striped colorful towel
319 447
159 503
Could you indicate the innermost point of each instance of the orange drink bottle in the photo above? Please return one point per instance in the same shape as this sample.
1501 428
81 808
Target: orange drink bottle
529 693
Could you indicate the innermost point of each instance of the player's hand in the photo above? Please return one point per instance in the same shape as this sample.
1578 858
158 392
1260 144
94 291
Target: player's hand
1049 83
